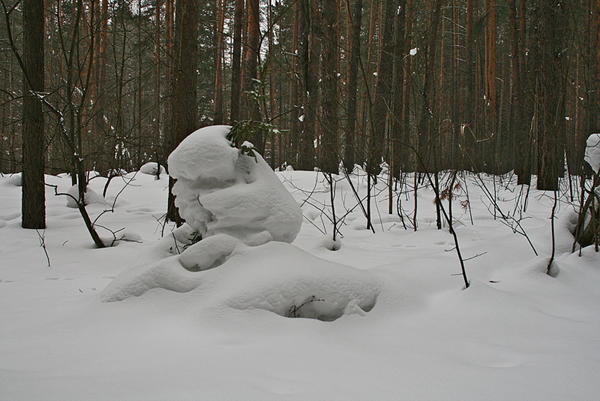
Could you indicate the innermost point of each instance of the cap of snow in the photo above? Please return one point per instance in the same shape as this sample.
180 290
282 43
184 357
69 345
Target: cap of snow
205 153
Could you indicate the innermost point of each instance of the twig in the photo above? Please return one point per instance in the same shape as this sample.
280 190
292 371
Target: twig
552 217
43 243
293 311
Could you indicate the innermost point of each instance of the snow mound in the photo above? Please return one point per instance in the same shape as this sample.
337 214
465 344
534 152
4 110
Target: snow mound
13 179
276 277
90 197
592 152
152 168
328 243
285 280
224 190
122 236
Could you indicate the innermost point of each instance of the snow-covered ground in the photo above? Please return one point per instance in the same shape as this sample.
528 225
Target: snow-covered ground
515 334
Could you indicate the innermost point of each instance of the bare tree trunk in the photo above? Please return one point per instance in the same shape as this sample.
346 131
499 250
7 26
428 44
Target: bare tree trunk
519 126
218 117
292 140
250 69
382 107
236 67
490 82
427 137
469 127
551 22
354 25
185 105
398 156
329 120
33 200
157 90
307 87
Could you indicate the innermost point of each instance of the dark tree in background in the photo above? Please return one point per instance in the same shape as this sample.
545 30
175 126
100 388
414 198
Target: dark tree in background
329 156
478 85
551 21
382 107
34 143
184 103
354 24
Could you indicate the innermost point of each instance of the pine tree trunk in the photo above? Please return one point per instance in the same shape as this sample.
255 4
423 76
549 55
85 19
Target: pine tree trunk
307 86
551 23
491 128
354 26
185 104
329 120
218 117
427 140
33 201
295 82
250 69
236 67
383 100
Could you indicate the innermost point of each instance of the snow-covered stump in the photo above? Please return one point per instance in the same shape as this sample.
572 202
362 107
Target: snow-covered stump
222 190
235 249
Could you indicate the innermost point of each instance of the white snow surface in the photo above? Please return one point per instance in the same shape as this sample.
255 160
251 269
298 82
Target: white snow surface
220 190
592 152
219 334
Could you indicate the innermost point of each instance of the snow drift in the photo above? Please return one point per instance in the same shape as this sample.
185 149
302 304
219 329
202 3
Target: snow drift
234 207
276 277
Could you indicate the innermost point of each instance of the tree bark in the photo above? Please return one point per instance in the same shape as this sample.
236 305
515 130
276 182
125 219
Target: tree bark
185 103
307 55
551 20
250 70
354 26
383 100
218 117
236 67
33 201
329 120
425 128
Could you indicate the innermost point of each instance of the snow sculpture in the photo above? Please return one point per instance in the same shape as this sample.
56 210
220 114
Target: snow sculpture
222 190
245 216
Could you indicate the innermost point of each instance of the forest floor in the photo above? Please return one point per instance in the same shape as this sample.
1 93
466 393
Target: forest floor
516 333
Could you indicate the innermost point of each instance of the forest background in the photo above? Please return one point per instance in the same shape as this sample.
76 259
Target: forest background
480 85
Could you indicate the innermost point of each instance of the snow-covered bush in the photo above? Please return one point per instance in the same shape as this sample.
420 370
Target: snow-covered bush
222 190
